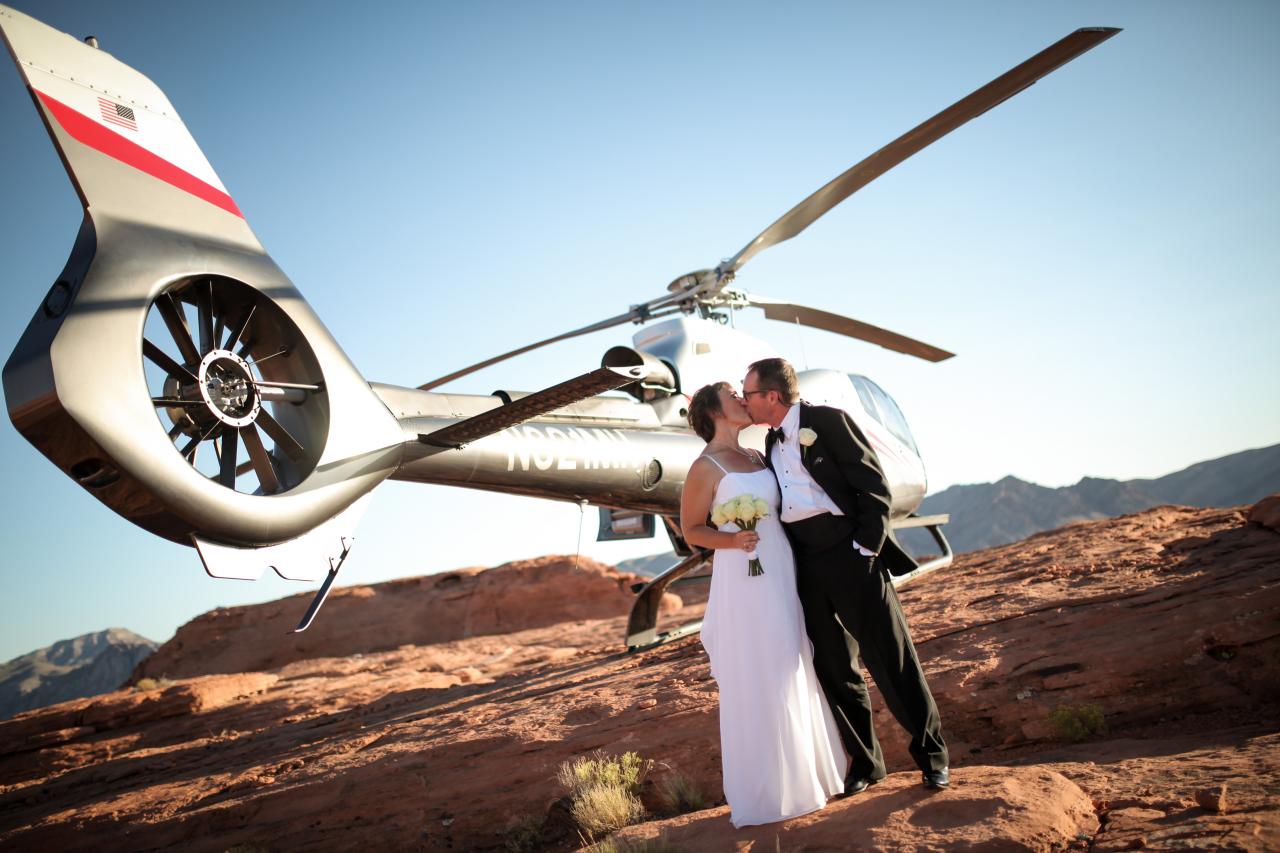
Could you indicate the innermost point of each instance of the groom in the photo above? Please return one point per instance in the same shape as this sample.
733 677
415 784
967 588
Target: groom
835 508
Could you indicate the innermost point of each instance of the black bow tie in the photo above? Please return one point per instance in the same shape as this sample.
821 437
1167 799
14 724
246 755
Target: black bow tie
776 434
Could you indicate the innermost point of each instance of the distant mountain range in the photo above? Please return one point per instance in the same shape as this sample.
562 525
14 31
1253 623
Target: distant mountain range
69 669
990 514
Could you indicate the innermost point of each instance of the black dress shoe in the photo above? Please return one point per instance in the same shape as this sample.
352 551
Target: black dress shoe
937 778
857 784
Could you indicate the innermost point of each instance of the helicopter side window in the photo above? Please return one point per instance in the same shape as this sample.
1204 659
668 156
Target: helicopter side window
893 417
860 384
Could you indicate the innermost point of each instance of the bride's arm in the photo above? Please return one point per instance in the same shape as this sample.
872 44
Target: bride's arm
695 506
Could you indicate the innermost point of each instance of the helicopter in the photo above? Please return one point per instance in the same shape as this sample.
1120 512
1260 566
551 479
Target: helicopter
178 375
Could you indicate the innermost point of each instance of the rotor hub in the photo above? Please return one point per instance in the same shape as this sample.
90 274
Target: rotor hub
235 384
227 388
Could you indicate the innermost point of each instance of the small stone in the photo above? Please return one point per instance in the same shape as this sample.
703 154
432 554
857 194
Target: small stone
1213 799
646 703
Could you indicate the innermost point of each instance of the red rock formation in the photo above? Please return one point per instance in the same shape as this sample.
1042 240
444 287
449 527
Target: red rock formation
1266 512
1164 620
414 611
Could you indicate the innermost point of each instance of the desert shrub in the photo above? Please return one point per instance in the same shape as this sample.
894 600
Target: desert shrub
601 809
523 835
680 794
603 790
145 684
1077 723
626 771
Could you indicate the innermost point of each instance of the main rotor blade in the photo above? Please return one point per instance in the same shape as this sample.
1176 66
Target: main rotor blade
971 106
634 314
789 312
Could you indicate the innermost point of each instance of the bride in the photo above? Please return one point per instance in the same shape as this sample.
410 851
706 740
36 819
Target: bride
779 747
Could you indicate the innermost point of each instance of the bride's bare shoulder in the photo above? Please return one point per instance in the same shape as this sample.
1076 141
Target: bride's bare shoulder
702 464
703 477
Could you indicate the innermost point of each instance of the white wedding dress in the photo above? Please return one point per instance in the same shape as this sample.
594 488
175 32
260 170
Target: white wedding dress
780 749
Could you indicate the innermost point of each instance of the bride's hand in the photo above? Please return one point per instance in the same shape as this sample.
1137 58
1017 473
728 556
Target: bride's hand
746 540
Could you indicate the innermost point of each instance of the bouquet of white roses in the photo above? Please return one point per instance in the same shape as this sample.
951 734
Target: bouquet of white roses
744 511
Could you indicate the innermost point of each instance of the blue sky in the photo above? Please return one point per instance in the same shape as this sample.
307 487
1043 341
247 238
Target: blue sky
443 181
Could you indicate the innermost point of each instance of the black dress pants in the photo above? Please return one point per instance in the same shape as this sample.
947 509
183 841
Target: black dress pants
850 607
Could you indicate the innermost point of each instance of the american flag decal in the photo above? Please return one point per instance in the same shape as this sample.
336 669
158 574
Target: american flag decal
117 114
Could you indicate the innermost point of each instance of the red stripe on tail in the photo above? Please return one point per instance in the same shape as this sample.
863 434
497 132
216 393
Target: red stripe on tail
99 138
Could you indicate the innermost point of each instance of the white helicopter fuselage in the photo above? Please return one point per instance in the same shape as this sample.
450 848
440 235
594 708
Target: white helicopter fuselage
633 452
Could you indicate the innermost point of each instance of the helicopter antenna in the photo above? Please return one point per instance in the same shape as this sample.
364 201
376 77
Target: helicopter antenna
804 356
582 513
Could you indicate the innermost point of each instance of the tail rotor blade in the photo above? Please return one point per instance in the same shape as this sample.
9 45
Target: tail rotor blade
227 458
171 311
204 313
280 435
261 461
168 365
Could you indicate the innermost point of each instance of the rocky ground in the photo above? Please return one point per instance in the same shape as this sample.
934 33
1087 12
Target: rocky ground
431 714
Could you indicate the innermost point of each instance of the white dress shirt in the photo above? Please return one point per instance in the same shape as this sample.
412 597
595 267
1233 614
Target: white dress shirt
802 497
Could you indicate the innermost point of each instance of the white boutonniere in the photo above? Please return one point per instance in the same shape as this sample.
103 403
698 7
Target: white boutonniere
806 438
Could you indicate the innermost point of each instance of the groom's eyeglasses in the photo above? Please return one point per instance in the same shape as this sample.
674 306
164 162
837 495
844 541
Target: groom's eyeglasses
759 391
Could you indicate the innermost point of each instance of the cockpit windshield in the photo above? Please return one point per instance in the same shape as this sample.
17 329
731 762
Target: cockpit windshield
880 406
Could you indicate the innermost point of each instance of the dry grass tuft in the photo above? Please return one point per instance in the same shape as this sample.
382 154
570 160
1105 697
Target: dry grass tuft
603 790
601 809
626 771
1078 723
145 684
680 794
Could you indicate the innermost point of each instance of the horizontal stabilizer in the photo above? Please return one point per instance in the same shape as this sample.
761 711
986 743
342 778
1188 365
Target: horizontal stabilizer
307 558
622 367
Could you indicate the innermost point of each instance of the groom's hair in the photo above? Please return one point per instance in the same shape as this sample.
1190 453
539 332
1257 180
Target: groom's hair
703 408
777 374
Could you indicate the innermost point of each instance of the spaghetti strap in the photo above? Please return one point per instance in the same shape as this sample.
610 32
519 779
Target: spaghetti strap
717 464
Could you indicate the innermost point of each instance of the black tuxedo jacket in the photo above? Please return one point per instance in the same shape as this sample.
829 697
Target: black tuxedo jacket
841 461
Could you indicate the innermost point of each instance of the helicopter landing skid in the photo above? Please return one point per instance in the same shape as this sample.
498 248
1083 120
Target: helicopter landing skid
642 627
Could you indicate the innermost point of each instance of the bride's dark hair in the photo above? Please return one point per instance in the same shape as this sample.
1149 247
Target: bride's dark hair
703 408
